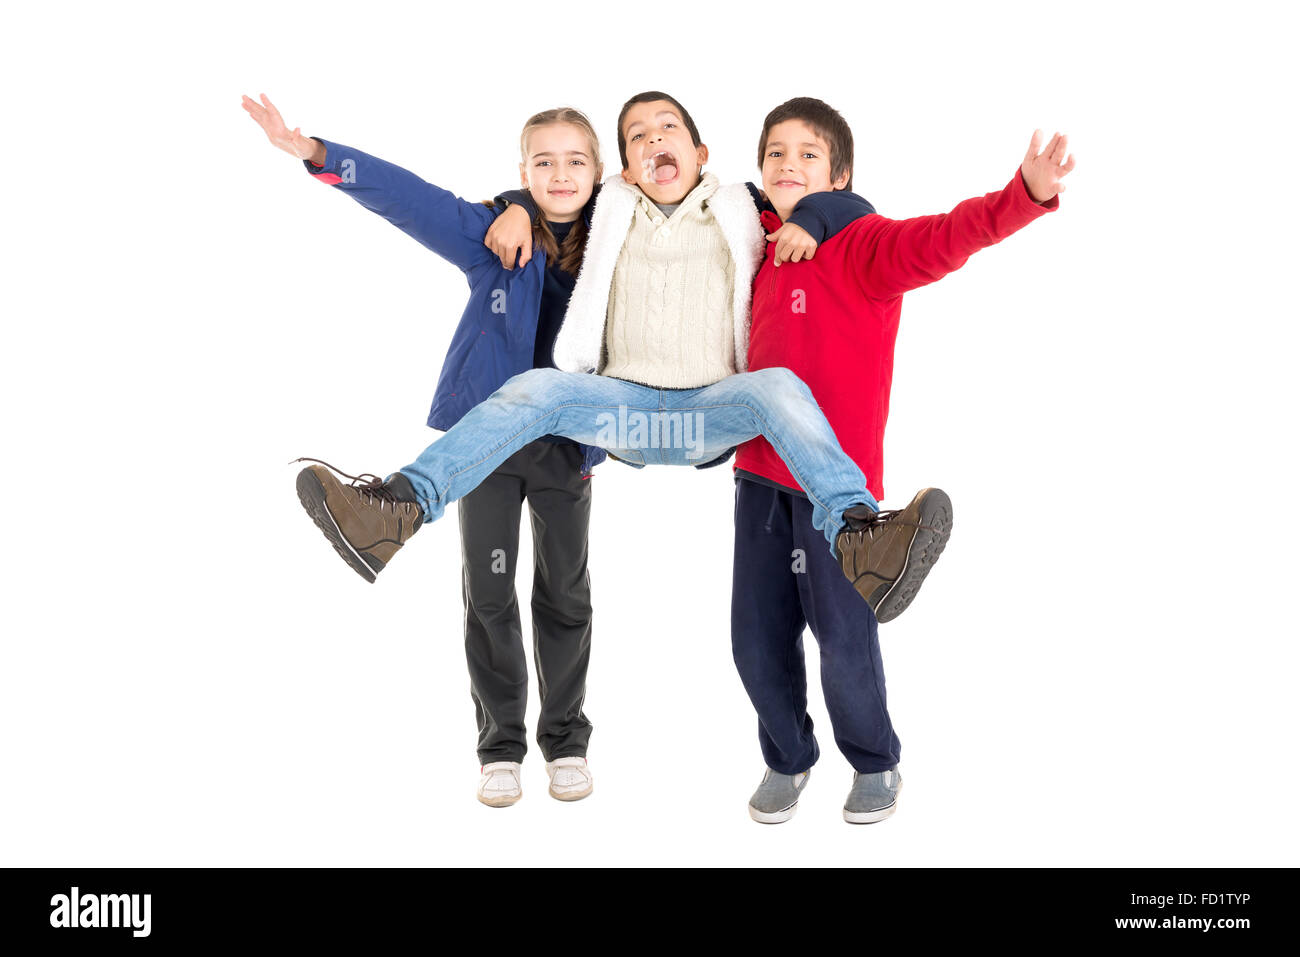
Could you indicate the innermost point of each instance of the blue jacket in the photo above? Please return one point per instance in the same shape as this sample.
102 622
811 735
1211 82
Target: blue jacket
496 335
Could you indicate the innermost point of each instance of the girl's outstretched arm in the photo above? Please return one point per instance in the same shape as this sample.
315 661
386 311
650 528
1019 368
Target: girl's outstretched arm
442 222
294 143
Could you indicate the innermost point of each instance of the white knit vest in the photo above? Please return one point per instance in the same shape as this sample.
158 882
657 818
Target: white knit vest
670 320
580 345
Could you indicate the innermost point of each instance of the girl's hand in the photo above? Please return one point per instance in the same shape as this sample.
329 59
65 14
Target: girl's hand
295 144
1044 171
510 235
792 243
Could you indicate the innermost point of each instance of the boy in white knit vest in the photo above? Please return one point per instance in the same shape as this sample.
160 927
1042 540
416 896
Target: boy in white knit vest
661 314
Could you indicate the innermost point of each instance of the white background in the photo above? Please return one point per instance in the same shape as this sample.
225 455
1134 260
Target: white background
1099 672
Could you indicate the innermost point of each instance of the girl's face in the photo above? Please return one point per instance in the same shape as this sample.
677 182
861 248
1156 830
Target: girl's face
559 171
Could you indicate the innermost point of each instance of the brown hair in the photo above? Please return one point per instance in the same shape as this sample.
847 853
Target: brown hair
825 121
567 255
651 96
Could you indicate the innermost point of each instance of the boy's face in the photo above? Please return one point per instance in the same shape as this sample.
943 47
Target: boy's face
661 158
559 172
796 162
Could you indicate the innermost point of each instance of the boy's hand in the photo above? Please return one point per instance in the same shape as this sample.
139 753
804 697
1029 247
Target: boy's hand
295 144
510 235
792 243
1044 171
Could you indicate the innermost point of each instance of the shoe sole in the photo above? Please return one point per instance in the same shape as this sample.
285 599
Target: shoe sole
926 547
773 817
312 496
570 795
503 801
873 817
869 817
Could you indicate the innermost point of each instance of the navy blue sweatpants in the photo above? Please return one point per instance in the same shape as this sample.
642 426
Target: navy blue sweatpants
784 578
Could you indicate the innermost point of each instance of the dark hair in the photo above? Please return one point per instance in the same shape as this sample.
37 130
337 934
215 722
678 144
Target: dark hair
825 121
651 96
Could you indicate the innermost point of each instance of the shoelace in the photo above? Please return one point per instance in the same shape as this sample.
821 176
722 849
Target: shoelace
882 518
364 484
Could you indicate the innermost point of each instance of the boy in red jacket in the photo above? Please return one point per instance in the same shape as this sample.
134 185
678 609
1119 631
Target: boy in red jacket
807 317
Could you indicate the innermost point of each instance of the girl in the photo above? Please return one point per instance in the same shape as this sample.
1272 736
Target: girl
508 327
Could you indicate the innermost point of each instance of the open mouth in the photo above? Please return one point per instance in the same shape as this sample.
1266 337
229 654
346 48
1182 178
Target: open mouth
662 168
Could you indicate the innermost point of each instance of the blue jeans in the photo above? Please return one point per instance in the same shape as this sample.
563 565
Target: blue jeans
642 426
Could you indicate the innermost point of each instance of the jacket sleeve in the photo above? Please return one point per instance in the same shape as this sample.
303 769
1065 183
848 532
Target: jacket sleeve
891 256
822 215
450 226
518 197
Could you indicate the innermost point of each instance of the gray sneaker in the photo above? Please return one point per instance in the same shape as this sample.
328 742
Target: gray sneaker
873 796
777 797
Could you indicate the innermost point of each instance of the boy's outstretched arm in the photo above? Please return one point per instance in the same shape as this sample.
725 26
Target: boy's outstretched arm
442 222
891 256
1044 170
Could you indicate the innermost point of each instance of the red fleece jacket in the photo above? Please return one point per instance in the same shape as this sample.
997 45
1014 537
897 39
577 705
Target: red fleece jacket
833 320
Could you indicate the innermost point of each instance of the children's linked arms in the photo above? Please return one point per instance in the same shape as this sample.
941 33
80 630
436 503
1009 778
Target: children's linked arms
891 256
511 235
437 219
815 218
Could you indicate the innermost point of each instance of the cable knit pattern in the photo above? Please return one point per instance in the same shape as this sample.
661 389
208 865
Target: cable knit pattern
670 317
668 308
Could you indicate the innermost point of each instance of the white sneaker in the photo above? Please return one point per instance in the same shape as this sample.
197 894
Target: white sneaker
570 778
500 785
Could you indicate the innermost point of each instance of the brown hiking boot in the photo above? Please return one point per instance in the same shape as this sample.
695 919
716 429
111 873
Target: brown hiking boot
888 554
366 521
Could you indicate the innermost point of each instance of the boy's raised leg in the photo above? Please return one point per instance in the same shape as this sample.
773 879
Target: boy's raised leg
887 555
368 520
